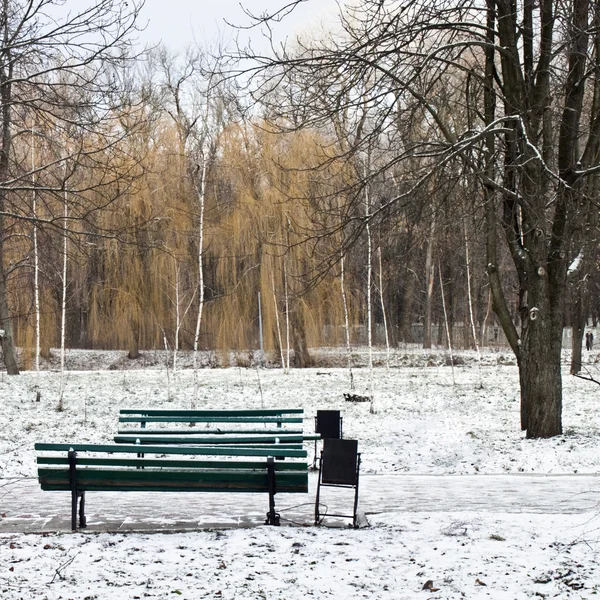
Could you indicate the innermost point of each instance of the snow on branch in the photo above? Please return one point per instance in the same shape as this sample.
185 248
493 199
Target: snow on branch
575 266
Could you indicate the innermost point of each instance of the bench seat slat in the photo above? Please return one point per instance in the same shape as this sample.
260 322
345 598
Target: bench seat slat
272 450
110 461
149 488
117 487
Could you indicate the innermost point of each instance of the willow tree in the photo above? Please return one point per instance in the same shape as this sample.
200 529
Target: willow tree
255 244
57 70
528 74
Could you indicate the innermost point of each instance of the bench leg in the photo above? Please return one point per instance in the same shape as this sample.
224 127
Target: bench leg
73 510
76 494
82 519
72 457
272 516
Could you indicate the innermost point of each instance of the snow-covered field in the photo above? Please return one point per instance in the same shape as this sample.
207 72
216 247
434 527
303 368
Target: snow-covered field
427 420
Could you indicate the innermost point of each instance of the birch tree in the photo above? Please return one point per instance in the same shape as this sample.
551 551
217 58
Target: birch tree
197 107
383 311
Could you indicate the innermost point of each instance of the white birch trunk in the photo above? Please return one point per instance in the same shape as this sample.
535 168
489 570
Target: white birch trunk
201 191
166 346
385 326
63 311
278 323
260 332
346 321
177 323
449 339
484 328
36 261
63 308
369 300
430 276
471 317
287 318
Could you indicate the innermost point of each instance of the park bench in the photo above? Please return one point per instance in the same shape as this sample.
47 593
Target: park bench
228 427
81 468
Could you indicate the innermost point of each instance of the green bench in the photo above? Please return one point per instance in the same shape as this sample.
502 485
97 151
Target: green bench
241 427
81 468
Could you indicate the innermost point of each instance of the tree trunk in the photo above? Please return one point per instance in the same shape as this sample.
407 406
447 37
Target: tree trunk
541 346
406 302
579 314
201 195
449 287
134 348
302 358
346 322
540 374
8 347
36 264
440 333
429 278
63 300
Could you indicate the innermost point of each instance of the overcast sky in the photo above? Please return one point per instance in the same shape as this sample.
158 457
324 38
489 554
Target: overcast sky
178 23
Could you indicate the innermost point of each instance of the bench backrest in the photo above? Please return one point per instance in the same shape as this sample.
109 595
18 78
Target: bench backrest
206 419
253 440
252 416
243 432
246 412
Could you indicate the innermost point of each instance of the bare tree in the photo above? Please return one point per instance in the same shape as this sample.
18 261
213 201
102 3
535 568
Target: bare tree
528 75
57 69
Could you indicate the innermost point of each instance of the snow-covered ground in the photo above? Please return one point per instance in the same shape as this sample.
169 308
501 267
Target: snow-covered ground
426 420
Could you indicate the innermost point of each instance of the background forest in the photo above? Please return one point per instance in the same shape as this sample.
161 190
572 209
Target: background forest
132 276
152 200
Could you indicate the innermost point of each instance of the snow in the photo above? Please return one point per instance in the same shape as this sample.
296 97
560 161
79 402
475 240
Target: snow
576 264
431 420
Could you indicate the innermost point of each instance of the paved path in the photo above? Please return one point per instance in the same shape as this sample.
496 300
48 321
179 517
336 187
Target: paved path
25 508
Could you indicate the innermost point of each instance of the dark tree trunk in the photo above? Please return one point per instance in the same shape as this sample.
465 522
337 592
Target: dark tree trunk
134 342
579 312
406 308
302 358
406 295
540 366
8 347
134 350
